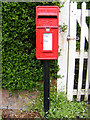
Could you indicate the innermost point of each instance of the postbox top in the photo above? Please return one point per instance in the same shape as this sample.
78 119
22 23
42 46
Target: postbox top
47 10
47 6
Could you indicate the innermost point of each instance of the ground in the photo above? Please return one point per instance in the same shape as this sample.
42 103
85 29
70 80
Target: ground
9 113
24 96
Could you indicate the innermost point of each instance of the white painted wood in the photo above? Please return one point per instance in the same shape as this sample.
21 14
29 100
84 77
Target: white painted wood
86 31
82 92
72 50
63 45
79 16
87 12
79 21
87 34
85 55
86 87
68 55
89 58
82 42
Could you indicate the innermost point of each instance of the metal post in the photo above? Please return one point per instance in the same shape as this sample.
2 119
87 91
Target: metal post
46 65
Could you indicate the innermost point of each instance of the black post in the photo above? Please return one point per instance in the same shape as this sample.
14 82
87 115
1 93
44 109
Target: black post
46 65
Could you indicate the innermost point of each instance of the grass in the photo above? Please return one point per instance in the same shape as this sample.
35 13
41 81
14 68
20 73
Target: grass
60 107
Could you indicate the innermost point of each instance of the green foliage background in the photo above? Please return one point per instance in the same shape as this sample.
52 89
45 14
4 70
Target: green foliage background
20 69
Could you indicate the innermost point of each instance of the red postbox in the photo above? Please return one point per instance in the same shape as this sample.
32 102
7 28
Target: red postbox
47 30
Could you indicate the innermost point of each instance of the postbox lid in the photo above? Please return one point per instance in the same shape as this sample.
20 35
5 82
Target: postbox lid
47 10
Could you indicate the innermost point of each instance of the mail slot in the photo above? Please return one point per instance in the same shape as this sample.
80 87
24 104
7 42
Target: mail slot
47 30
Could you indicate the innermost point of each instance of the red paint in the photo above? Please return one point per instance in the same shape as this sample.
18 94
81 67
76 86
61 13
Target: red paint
47 17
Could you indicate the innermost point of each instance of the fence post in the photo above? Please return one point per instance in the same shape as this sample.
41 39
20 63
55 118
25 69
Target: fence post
63 46
72 50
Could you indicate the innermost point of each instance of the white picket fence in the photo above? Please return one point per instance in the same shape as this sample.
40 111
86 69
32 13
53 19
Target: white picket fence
70 15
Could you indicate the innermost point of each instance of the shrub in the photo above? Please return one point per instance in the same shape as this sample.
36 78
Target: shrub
20 68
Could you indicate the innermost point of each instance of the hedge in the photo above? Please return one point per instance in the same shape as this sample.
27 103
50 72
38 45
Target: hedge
20 68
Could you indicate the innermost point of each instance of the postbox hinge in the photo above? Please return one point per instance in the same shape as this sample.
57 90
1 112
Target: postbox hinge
69 38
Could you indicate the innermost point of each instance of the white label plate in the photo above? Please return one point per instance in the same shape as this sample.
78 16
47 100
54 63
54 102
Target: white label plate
47 41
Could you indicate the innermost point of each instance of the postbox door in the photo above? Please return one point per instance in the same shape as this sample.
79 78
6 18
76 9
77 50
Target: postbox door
47 42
